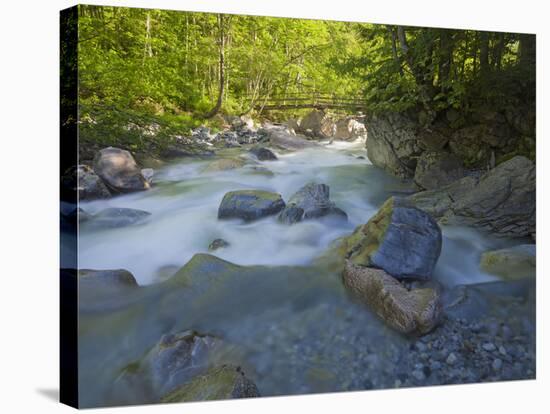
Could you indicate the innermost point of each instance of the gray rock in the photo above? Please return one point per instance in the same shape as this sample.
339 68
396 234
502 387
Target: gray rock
436 169
116 217
502 201
402 240
280 138
86 183
119 171
392 144
497 364
218 244
311 201
263 154
489 346
250 204
451 359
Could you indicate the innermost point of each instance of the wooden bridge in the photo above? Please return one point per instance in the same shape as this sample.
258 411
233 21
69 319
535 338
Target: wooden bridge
313 101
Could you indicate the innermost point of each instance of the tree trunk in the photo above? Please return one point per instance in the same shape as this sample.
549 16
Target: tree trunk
221 42
396 58
445 57
484 54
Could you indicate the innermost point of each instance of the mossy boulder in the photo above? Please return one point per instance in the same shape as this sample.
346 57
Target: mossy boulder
511 263
225 382
415 311
119 171
402 240
250 205
174 360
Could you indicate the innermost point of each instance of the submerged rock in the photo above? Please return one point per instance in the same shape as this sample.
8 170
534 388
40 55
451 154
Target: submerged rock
311 201
117 217
400 239
218 244
119 171
220 383
118 277
224 164
250 204
435 169
502 201
175 360
511 263
415 311
263 154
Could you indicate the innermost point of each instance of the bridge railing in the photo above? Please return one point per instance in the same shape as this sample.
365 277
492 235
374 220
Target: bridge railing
315 100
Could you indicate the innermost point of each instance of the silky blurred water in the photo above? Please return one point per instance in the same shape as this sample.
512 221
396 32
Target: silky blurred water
290 324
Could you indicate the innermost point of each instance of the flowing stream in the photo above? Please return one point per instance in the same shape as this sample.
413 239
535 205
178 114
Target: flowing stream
184 203
293 327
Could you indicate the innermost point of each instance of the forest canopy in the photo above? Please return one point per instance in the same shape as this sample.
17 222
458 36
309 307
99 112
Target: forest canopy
182 68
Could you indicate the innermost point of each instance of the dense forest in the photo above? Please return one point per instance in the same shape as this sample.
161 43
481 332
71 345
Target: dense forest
180 69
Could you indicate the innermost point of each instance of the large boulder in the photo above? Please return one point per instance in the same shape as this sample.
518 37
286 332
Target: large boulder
114 217
511 263
250 204
282 139
467 143
415 311
502 201
319 123
311 201
86 183
436 169
402 240
393 144
349 129
119 171
219 383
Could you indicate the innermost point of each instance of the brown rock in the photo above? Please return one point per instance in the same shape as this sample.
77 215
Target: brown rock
415 311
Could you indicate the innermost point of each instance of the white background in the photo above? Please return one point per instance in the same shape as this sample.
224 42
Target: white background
29 204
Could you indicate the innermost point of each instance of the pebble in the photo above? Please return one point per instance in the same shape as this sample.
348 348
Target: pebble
451 359
502 350
497 364
419 375
489 346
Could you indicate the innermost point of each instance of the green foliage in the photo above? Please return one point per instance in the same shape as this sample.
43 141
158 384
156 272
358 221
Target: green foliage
146 70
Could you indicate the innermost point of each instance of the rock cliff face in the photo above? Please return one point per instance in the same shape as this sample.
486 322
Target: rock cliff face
502 201
397 140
